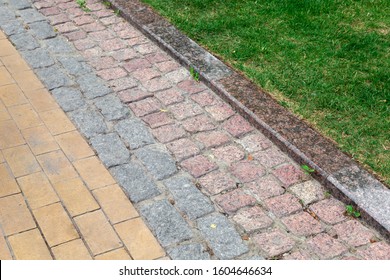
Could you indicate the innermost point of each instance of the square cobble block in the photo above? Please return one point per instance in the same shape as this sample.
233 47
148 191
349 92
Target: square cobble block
89 121
189 252
158 161
110 149
188 198
134 133
136 183
38 58
53 77
222 236
92 86
166 223
111 107
69 98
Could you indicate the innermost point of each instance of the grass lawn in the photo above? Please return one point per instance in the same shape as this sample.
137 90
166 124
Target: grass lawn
326 60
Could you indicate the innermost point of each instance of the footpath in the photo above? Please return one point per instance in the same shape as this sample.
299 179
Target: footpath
110 149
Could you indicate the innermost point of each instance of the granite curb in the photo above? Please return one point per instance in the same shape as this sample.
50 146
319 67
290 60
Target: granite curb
345 178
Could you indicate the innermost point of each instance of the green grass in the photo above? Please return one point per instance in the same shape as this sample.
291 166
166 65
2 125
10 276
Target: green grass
326 60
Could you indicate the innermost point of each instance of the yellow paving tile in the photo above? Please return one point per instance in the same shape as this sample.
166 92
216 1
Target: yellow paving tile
55 224
40 139
27 80
15 63
75 196
37 190
94 173
12 95
14 215
29 245
21 160
56 166
72 250
6 48
4 115
97 232
5 77
115 204
138 239
8 184
118 254
74 145
41 100
24 116
10 135
5 253
57 121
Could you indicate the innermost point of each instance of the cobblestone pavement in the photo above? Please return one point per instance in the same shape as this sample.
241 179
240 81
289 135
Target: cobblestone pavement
205 182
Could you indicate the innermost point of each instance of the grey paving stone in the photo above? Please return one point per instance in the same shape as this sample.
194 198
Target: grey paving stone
136 183
255 258
111 107
69 99
188 198
42 30
222 236
135 133
58 45
189 252
12 27
157 160
110 149
53 77
31 15
6 15
20 4
75 65
24 41
92 86
89 121
38 58
167 224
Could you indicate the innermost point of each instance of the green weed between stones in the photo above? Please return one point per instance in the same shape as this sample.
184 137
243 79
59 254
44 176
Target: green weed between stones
351 211
194 74
83 5
107 4
307 169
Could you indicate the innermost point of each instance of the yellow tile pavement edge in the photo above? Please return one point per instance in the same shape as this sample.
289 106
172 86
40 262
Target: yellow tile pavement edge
57 200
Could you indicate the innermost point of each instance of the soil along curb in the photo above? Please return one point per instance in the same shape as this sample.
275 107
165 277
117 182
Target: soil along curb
344 177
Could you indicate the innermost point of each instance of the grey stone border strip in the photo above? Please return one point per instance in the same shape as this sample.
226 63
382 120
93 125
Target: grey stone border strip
344 177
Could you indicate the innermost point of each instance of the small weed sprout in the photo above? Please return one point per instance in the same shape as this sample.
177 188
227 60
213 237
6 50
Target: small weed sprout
107 4
83 5
351 211
194 74
307 169
327 194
